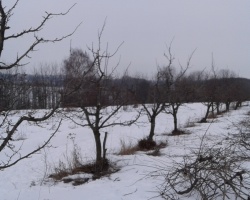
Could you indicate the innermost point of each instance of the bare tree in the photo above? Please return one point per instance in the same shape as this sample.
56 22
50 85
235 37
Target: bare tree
227 87
157 104
240 91
175 86
208 95
210 92
8 125
102 100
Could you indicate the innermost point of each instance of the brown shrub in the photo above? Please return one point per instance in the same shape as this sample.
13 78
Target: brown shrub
146 144
127 149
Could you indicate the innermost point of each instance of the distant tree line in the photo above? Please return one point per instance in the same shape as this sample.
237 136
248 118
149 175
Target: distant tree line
21 91
42 91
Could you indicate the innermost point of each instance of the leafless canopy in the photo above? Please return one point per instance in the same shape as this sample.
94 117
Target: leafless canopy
4 21
9 127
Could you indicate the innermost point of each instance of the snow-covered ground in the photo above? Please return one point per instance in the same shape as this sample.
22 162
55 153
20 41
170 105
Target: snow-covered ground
28 180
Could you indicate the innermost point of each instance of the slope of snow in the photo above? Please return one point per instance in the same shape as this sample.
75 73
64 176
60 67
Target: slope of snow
28 179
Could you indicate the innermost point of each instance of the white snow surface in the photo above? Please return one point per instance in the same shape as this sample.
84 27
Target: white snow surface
28 180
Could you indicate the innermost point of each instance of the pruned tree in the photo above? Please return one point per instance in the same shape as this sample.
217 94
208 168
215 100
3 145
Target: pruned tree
8 125
175 86
209 173
102 100
240 91
157 104
215 171
208 95
227 87
209 92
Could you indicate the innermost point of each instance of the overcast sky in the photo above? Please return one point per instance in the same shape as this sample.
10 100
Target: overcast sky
218 27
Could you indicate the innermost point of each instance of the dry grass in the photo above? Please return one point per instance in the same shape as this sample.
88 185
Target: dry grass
72 159
127 148
62 173
69 167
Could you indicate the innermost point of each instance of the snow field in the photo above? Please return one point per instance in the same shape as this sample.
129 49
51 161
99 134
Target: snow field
28 179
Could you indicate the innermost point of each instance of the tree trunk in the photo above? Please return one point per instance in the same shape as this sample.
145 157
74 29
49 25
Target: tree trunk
212 109
227 106
152 128
175 121
218 108
98 151
203 120
104 150
238 104
175 110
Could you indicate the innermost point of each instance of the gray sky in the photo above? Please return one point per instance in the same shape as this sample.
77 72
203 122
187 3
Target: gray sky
218 27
